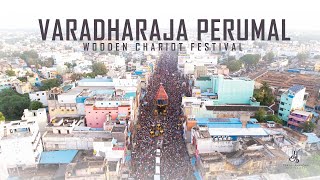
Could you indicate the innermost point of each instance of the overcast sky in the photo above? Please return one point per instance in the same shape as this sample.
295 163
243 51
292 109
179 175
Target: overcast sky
299 15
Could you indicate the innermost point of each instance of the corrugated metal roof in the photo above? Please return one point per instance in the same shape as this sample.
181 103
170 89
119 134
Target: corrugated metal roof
226 122
312 138
296 88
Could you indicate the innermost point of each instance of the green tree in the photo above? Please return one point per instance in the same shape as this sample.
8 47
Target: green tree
70 66
30 74
75 76
274 118
308 126
49 83
234 65
264 95
12 104
302 56
23 79
47 62
89 75
29 54
250 60
35 105
10 73
269 56
2 118
260 115
31 57
99 68
316 57
15 54
231 58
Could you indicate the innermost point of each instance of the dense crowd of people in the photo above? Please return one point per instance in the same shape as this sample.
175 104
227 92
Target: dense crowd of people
175 162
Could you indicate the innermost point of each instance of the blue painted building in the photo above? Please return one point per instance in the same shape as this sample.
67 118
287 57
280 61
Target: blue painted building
292 99
228 90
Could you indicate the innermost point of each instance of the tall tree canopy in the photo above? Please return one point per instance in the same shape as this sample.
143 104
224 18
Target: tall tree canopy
12 104
50 83
250 59
264 95
35 105
99 68
2 117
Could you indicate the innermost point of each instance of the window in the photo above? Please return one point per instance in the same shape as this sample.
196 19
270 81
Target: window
280 114
281 109
282 103
68 132
42 93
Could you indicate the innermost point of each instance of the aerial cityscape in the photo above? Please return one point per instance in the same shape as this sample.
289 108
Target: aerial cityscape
136 90
183 114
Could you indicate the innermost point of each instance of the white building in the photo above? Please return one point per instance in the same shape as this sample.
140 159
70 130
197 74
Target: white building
188 60
280 63
20 143
109 150
3 168
70 133
39 116
40 96
293 99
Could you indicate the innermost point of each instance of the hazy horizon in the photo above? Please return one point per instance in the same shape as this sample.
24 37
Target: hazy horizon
25 14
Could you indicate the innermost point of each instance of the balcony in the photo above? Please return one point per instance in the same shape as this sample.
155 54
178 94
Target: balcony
294 124
301 119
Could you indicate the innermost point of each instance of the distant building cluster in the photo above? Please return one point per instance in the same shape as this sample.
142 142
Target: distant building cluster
86 127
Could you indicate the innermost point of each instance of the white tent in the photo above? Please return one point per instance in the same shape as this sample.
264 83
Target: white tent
158 170
157 160
156 177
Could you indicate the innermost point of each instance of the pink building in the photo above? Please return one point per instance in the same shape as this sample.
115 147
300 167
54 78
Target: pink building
97 111
297 118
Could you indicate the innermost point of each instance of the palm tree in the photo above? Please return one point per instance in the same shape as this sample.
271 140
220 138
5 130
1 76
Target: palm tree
265 87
